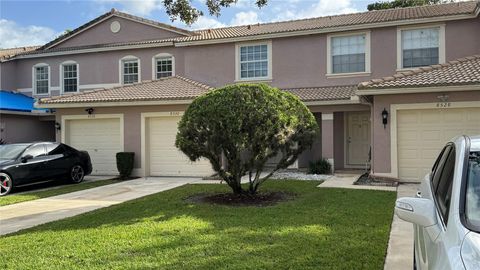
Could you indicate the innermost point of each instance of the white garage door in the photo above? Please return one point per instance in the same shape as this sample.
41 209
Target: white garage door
421 134
165 159
101 138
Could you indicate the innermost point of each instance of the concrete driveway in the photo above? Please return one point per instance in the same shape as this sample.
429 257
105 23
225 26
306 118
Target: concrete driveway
24 215
400 244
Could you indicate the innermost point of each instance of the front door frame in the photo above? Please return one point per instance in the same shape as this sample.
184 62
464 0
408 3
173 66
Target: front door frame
346 151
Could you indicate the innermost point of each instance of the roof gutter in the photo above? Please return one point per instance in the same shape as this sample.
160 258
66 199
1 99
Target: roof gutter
111 104
353 100
93 50
414 90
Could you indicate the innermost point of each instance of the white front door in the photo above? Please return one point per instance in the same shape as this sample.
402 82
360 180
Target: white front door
357 138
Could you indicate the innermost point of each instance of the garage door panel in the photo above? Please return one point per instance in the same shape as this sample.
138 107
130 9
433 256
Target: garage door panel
421 134
164 158
101 138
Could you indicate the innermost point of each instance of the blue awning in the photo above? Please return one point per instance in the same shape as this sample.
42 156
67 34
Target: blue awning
11 101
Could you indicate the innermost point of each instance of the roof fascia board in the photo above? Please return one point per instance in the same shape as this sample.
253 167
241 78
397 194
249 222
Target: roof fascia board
31 113
111 104
413 90
81 51
327 30
167 102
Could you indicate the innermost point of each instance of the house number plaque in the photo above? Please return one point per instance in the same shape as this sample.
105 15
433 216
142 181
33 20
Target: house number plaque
443 104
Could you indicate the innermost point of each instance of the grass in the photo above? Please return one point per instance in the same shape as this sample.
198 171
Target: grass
319 229
33 195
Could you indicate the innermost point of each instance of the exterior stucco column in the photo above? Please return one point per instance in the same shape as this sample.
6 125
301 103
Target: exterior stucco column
327 137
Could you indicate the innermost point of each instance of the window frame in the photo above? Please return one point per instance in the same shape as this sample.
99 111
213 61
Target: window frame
34 79
154 64
121 62
238 47
367 71
441 43
62 74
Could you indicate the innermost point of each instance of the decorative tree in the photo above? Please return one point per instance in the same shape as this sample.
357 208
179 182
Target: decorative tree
403 3
240 127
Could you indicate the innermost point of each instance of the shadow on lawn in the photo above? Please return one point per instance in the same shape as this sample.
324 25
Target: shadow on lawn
332 228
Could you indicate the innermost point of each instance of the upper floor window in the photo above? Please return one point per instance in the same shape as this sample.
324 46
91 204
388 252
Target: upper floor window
69 77
348 53
163 66
254 61
130 69
421 47
41 79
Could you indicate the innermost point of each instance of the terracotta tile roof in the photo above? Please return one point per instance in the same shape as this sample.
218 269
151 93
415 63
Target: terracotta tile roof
10 52
369 17
180 88
328 22
171 88
99 46
344 92
463 71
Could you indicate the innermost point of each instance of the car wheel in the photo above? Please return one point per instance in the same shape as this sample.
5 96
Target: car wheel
77 174
6 184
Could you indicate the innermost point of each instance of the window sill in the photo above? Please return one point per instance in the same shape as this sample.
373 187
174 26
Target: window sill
347 75
256 80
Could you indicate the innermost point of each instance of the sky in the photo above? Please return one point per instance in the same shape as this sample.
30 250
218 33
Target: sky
30 22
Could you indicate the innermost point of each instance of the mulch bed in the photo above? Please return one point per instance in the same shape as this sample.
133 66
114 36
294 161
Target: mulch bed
230 199
367 180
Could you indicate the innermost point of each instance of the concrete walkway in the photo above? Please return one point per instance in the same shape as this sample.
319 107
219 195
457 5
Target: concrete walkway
24 215
346 181
400 245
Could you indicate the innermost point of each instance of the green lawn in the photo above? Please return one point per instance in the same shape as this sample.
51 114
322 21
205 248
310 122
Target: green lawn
33 195
319 229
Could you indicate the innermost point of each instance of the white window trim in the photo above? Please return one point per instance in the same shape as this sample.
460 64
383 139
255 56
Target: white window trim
154 64
69 62
441 41
237 61
367 55
120 68
34 79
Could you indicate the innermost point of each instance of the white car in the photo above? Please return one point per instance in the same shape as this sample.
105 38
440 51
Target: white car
446 210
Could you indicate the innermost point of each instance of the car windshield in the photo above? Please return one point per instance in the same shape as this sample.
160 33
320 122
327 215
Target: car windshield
11 151
472 205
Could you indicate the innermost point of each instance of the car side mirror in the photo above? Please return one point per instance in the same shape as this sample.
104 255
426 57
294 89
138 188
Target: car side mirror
26 158
419 211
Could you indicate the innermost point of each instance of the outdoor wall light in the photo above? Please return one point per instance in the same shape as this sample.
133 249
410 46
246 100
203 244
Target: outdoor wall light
90 110
58 126
384 118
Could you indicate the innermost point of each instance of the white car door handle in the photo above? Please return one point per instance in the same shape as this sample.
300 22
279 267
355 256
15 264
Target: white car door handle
419 194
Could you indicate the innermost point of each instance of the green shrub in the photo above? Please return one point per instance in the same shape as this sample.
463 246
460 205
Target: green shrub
321 166
238 128
125 164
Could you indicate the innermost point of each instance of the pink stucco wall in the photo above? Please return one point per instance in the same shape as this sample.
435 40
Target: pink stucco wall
297 61
129 31
132 122
381 136
25 128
